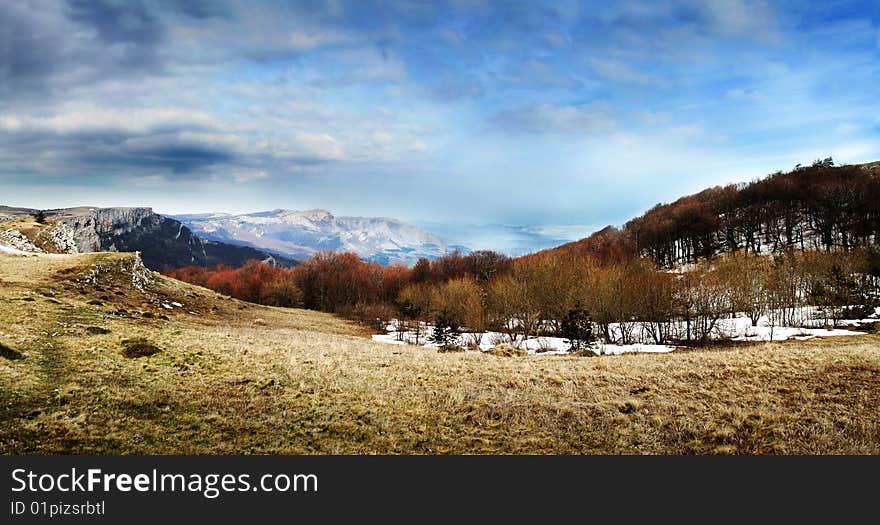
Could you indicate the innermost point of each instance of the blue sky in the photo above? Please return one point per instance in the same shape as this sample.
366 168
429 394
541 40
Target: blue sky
508 125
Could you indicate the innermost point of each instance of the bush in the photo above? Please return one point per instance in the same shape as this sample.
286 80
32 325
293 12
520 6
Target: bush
505 350
96 330
283 291
585 352
450 348
138 347
375 315
858 312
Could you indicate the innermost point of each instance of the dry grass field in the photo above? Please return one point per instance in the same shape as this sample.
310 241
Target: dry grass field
231 377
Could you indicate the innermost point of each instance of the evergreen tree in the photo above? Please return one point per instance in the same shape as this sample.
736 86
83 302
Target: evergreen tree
446 329
577 327
40 216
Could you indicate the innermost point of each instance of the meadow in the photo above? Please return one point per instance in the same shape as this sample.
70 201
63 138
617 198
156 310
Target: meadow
230 377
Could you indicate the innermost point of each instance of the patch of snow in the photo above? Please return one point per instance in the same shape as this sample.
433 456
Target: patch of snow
10 250
542 346
638 340
635 348
387 339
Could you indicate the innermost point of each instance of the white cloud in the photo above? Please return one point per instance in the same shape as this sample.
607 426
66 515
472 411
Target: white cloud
744 94
85 118
652 118
687 132
308 40
616 71
301 146
248 176
847 128
589 118
754 18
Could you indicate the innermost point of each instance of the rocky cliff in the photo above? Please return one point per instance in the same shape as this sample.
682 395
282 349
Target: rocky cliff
163 242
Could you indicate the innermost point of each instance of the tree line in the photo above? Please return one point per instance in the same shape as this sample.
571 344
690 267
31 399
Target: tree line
577 296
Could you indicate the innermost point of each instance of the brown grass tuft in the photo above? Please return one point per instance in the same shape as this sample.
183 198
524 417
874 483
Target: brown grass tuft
139 347
506 350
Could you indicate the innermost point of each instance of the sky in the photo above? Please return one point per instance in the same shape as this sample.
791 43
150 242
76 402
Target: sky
505 125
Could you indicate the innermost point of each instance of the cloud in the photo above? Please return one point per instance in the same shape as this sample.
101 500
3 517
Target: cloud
177 155
537 73
309 40
31 50
616 71
455 86
305 147
118 22
198 9
367 106
589 118
89 119
743 94
754 18
246 176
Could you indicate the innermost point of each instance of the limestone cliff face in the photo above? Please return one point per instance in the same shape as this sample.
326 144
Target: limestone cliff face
162 241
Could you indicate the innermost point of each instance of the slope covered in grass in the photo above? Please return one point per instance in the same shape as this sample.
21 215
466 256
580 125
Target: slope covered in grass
229 377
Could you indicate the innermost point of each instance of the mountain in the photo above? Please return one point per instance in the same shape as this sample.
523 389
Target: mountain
162 241
822 206
299 234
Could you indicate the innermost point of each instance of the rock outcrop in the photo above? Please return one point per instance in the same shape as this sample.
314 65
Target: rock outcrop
19 241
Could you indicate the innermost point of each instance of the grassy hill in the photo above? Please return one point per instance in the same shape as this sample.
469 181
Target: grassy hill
808 208
231 377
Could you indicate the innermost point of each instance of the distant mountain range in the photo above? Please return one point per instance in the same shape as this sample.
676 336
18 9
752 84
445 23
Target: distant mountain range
279 236
299 234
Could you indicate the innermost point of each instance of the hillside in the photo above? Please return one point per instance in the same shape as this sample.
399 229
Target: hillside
236 378
300 234
817 207
163 242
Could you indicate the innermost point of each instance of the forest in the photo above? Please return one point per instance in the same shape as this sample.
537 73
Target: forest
564 295
821 206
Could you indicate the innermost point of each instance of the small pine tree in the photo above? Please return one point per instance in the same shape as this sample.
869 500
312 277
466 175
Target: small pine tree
577 328
446 329
40 216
